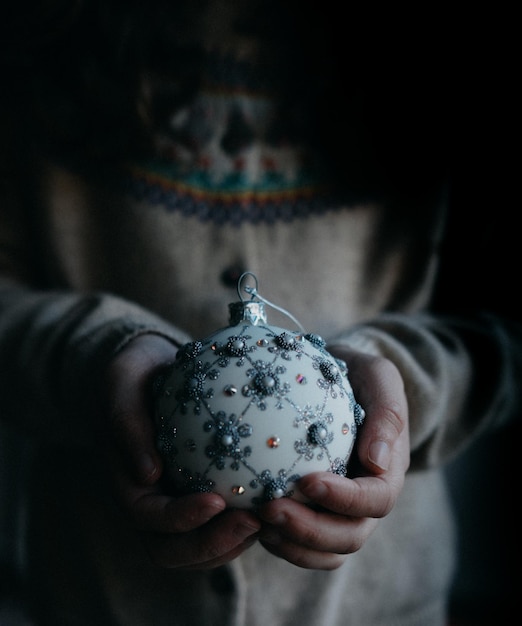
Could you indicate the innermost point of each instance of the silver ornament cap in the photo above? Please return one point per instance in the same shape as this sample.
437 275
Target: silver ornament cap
252 312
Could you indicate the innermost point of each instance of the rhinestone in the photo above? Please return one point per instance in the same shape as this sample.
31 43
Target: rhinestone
237 490
244 430
262 343
273 442
345 429
230 390
301 379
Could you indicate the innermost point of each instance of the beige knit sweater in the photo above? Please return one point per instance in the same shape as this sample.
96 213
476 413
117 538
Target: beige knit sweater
84 268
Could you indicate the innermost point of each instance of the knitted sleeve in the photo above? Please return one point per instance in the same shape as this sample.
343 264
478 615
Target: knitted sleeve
53 347
53 342
461 375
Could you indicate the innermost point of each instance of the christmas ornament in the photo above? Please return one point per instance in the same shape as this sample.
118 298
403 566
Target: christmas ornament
253 407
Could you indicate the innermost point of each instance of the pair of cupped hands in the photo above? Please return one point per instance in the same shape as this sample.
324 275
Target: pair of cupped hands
197 531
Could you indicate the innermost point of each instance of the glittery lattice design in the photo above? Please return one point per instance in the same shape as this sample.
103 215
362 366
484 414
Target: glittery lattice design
249 410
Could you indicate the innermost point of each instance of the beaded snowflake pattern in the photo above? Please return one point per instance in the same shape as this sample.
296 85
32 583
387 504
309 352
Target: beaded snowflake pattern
235 405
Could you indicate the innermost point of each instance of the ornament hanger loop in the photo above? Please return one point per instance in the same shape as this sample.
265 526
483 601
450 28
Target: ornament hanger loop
254 294
251 290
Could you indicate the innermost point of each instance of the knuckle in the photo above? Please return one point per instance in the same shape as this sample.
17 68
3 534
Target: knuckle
310 535
386 506
392 414
208 551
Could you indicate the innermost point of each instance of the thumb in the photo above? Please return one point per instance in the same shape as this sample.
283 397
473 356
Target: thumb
378 387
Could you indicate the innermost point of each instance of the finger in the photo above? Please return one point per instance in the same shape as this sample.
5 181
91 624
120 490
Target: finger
223 538
129 384
223 559
157 512
304 557
379 388
321 532
366 496
152 509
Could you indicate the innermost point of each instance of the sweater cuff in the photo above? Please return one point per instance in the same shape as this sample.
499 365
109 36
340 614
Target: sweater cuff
437 375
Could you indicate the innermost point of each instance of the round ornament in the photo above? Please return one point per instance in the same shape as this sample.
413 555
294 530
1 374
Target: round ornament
251 408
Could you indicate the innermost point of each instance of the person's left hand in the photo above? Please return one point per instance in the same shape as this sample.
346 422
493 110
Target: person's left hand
186 532
345 511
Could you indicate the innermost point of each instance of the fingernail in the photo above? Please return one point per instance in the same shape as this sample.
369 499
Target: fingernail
379 454
211 510
250 541
314 490
245 530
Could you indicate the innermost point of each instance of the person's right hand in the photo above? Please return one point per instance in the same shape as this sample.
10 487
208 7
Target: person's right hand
189 532
345 510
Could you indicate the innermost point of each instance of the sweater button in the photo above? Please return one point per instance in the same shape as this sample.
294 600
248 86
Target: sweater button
230 275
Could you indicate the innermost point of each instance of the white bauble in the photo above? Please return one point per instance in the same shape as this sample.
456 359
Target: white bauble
250 409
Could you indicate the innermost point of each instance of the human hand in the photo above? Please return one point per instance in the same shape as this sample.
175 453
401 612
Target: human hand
343 512
189 532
